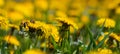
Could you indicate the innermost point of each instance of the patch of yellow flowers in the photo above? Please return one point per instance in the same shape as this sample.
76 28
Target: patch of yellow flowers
101 51
47 29
12 40
34 51
112 35
4 23
107 22
67 21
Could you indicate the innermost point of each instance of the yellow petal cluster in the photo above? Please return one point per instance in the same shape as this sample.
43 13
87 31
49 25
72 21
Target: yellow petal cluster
4 23
101 51
105 51
14 26
109 23
34 51
46 29
68 21
112 35
115 36
54 32
12 40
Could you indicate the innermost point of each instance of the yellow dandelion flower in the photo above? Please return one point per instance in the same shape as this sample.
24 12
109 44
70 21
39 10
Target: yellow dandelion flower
46 29
37 25
54 32
112 35
115 36
105 51
4 23
34 51
32 25
24 26
12 40
14 26
101 38
100 51
109 23
67 21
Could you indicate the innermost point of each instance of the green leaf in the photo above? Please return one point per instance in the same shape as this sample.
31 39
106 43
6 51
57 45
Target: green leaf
54 43
92 41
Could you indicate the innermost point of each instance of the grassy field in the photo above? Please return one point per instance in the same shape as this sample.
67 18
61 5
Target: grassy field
59 26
